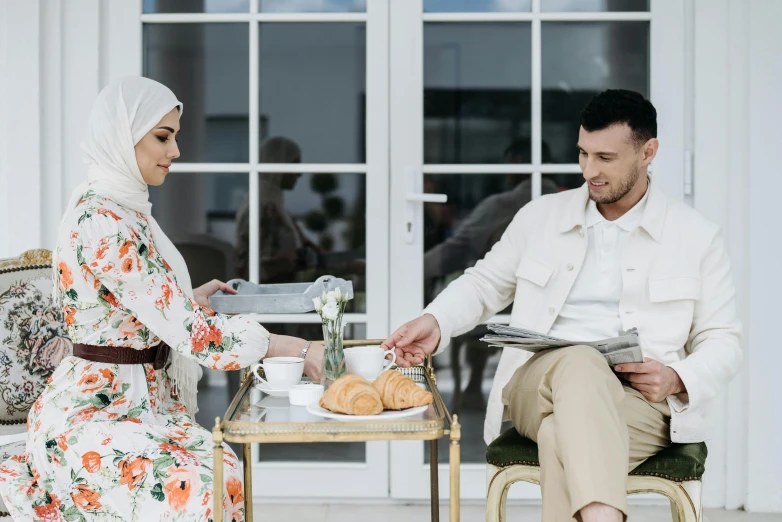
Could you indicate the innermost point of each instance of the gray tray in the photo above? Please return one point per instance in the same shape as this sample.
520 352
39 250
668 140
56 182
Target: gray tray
290 298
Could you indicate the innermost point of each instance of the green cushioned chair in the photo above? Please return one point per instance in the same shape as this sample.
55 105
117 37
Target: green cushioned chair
675 472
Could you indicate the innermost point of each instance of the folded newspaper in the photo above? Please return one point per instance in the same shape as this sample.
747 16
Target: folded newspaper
616 350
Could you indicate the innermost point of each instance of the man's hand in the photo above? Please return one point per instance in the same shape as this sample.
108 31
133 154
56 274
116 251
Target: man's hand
202 293
414 340
653 379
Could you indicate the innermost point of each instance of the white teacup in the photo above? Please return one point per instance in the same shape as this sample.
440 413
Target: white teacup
368 361
281 372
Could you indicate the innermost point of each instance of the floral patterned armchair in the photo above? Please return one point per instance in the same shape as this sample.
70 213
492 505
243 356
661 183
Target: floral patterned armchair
33 341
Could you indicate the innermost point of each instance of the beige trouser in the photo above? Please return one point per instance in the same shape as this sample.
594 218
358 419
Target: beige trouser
590 429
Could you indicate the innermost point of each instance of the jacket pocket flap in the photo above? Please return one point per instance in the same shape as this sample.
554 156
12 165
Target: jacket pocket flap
534 271
674 289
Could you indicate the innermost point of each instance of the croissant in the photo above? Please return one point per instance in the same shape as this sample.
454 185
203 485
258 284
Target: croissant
399 392
352 395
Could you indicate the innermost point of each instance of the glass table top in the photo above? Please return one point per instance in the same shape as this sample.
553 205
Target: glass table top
254 412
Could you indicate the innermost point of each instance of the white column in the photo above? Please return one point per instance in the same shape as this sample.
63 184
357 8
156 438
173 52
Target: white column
764 357
21 166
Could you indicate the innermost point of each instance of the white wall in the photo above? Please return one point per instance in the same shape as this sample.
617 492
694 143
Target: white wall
737 112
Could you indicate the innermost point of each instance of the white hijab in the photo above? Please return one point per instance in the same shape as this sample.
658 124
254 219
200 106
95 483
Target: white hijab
123 113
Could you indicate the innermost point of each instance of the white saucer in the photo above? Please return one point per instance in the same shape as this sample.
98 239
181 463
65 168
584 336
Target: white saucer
316 409
268 390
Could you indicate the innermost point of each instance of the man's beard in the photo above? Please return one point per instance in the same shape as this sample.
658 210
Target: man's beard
626 184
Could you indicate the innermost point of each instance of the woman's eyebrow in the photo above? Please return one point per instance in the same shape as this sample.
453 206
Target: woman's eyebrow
169 129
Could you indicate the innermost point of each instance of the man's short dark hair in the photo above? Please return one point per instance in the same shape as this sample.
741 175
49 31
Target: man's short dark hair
617 106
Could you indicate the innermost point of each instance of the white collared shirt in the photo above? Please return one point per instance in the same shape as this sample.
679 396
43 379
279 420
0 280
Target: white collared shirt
591 310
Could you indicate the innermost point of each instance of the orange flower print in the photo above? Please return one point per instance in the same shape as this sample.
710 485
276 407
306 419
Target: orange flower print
107 212
127 265
100 253
85 498
70 315
84 415
124 248
234 488
233 365
49 512
61 442
108 267
167 294
66 277
91 461
168 267
133 470
182 456
179 485
92 382
199 333
109 298
129 327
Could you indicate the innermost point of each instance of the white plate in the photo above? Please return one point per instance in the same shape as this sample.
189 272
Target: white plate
315 409
265 388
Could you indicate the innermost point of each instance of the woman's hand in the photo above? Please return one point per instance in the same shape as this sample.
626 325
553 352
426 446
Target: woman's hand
202 293
313 362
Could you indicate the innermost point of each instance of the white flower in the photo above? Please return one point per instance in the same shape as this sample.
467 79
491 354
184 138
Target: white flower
338 294
318 304
330 310
331 298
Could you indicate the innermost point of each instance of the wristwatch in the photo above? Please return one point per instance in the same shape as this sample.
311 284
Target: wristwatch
305 349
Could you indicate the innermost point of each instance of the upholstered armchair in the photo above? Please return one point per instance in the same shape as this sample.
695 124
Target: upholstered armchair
33 341
675 473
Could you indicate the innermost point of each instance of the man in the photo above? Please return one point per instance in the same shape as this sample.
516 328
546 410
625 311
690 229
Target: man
583 264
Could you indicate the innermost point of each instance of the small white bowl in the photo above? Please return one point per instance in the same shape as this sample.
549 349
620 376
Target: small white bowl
305 394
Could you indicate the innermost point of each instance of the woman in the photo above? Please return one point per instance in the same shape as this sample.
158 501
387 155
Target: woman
111 441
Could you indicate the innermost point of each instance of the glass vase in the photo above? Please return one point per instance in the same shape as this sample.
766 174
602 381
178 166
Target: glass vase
334 365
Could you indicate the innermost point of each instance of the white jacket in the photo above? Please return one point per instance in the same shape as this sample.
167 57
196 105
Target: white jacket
677 290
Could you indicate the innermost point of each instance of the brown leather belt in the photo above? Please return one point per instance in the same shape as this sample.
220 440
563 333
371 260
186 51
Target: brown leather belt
156 355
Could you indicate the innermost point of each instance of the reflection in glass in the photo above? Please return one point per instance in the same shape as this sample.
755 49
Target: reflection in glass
465 373
312 88
207 67
573 6
196 6
581 60
310 225
313 6
476 90
321 451
564 181
198 213
476 6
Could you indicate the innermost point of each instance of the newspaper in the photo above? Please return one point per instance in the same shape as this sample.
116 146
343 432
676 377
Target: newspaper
616 350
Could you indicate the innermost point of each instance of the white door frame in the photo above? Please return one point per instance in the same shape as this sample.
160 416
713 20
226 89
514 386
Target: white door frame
275 480
409 473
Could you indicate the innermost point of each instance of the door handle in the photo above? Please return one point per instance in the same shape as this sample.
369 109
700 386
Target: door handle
413 197
426 198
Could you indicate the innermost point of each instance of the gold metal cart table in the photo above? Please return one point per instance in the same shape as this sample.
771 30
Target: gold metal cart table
244 423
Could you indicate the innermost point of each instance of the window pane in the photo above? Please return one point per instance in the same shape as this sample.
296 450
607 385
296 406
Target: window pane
207 67
476 90
459 233
593 5
313 88
563 181
581 60
311 225
464 378
476 6
313 6
196 6
198 212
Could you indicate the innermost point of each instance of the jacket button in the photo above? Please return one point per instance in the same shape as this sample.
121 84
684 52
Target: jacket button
581 232
569 267
552 310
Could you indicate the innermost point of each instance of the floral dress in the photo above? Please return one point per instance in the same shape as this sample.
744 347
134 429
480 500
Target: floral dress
112 442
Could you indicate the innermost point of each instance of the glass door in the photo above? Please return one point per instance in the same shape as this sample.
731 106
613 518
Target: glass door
284 147
485 103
